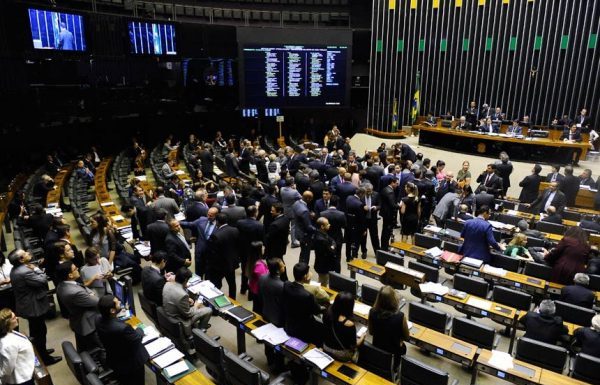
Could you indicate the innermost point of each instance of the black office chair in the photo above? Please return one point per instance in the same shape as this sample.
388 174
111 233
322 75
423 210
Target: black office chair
505 262
512 298
552 228
149 307
175 331
508 219
432 274
538 270
594 282
575 314
471 285
451 247
538 353
93 379
586 368
413 372
240 372
456 226
427 241
210 352
382 257
475 333
429 317
368 294
74 361
339 282
377 361
497 235
571 216
535 242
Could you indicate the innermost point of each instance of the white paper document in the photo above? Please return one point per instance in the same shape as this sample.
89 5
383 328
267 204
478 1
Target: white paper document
479 303
433 287
434 252
143 249
150 333
494 270
158 346
179 172
433 229
117 218
106 204
208 290
317 357
176 369
362 309
501 360
472 262
141 178
168 358
271 334
180 216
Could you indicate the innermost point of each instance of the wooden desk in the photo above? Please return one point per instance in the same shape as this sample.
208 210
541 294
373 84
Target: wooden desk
366 268
584 198
54 197
332 373
373 379
5 200
553 378
521 373
556 288
419 254
516 280
537 150
107 206
443 345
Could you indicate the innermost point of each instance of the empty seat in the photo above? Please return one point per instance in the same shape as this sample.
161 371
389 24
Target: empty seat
240 372
428 316
148 307
451 247
413 372
586 368
471 285
535 242
552 228
427 241
377 361
538 270
508 219
74 361
368 294
538 353
594 282
382 257
456 226
432 274
575 314
512 298
505 262
474 333
210 352
339 282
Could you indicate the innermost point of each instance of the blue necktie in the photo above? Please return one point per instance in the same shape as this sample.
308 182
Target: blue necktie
208 230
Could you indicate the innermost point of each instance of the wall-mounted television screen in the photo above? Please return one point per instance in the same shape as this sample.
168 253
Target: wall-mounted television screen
57 30
152 38
295 75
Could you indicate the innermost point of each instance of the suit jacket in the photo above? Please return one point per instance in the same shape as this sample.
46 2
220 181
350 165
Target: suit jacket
125 352
355 213
324 246
337 222
584 120
531 186
546 329
576 136
232 166
300 308
389 205
195 211
245 158
177 305
570 187
166 171
443 188
271 292
554 218
304 227
288 197
374 174
234 214
559 201
199 228
464 127
589 339
587 182
478 238
317 188
493 185
262 172
578 295
302 182
276 237
488 129
177 252
559 177
408 153
157 233
207 162
484 199
264 209
152 284
320 207
251 230
375 202
30 288
335 181
82 305
40 224
343 191
168 204
223 247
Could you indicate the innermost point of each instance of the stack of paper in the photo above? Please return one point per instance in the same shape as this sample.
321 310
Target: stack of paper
106 204
167 358
271 334
143 249
207 290
494 270
150 334
472 262
118 218
158 345
501 360
433 287
433 229
317 357
180 216
176 368
479 303
434 252
179 172
362 309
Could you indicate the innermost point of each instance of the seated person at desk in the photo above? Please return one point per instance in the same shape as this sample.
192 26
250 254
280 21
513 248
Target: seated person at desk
578 293
125 353
515 129
84 173
551 216
463 213
388 325
497 116
585 179
583 119
431 120
589 338
339 338
593 224
488 128
573 135
551 196
180 307
517 247
523 227
167 168
526 121
542 325
478 237
463 125
555 175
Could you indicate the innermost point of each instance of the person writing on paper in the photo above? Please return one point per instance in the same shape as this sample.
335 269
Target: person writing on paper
517 247
388 325
478 237
17 358
542 325
125 353
340 340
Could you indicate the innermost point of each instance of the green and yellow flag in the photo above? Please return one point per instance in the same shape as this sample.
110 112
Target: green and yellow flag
416 102
395 116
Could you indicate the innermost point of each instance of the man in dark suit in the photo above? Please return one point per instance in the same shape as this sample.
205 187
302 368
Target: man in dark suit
569 186
573 135
178 250
337 222
585 179
357 223
323 203
233 212
156 233
531 185
407 153
484 199
30 288
303 225
446 185
488 128
583 120
153 278
544 326
130 212
251 230
245 156
316 184
207 161
264 208
276 235
336 180
345 190
388 210
463 125
202 227
82 305
552 216
165 203
578 293
270 289
222 257
125 353
478 237
374 173
301 179
489 181
555 175
198 208
232 167
551 196
38 221
372 206
300 308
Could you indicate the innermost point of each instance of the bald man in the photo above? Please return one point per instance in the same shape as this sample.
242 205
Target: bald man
201 228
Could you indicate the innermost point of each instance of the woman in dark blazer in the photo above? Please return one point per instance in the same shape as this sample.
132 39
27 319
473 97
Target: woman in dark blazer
570 256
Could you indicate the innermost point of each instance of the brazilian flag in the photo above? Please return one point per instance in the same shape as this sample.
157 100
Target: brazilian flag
416 102
395 116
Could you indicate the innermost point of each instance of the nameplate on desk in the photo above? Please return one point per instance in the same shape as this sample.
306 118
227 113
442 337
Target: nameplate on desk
439 351
376 269
534 281
461 348
106 204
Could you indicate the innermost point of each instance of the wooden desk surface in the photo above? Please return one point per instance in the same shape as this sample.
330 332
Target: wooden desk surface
371 267
447 342
492 307
103 196
59 183
373 379
484 358
333 368
553 378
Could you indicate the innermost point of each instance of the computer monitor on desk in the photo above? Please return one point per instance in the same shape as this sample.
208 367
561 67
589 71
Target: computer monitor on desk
123 290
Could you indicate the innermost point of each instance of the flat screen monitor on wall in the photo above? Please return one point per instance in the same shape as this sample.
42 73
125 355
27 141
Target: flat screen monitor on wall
57 30
147 38
295 75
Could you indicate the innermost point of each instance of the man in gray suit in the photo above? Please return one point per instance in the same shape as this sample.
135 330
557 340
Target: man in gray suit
289 195
82 305
163 202
30 287
180 307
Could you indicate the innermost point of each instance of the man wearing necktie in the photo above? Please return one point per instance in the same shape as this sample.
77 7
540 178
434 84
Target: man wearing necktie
555 175
178 250
551 196
201 228
371 209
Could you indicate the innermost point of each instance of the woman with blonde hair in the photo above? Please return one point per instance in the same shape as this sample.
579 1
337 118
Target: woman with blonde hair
18 358
517 247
